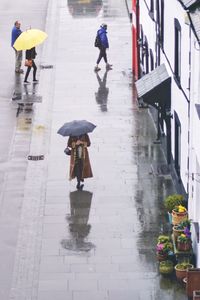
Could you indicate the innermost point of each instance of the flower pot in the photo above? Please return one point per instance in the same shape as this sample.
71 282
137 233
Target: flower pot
161 257
177 232
178 217
182 273
166 267
185 246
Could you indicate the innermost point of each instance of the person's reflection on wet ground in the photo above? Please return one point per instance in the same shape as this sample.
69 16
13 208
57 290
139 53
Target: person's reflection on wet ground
102 94
17 94
80 203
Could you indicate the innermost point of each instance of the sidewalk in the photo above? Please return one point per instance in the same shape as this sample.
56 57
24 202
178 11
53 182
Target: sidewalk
97 243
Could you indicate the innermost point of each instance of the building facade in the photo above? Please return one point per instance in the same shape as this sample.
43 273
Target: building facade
168 80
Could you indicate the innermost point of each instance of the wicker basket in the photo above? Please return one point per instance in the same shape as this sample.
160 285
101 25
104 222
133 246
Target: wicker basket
178 217
177 232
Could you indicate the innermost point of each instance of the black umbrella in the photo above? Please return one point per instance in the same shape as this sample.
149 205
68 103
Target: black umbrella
76 128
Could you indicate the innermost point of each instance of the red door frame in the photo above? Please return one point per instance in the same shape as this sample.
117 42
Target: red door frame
135 19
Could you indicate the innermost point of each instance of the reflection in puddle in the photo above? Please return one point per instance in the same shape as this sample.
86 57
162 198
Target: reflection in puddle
80 203
84 8
102 94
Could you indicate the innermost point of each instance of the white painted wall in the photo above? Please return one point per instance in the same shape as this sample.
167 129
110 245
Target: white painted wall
194 170
179 103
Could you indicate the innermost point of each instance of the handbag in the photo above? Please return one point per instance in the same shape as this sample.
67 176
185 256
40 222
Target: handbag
28 63
67 151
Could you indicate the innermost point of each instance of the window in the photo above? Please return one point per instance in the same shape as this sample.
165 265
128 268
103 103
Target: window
177 50
160 21
151 60
177 150
146 55
151 10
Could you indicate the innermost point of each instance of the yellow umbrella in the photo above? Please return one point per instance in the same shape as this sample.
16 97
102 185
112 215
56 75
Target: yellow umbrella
29 39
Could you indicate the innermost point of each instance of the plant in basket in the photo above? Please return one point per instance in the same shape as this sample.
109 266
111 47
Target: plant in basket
184 242
180 227
179 214
164 247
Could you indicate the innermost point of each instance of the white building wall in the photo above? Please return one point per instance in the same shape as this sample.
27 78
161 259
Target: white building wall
148 26
194 170
178 100
187 115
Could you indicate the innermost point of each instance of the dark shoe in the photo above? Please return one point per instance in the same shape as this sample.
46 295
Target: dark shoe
35 81
96 69
26 82
78 186
108 67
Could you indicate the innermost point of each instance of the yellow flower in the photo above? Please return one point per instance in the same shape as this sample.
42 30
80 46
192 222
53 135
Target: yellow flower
181 208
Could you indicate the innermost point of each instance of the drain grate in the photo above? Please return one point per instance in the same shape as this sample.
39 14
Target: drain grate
35 157
43 66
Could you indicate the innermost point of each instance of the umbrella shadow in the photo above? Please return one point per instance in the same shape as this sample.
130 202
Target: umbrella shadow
102 94
80 204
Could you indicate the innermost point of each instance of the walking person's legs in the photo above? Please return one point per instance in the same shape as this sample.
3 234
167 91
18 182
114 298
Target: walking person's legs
96 69
34 71
108 66
78 173
26 76
103 55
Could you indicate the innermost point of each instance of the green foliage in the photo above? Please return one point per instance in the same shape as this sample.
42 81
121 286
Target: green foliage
166 267
182 225
183 266
163 239
172 201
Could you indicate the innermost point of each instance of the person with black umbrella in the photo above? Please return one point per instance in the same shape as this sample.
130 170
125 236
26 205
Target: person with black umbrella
79 159
78 142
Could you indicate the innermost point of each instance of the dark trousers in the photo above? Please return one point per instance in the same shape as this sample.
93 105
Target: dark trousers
78 169
29 69
102 54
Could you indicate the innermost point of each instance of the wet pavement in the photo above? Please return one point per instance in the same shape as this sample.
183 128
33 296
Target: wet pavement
98 243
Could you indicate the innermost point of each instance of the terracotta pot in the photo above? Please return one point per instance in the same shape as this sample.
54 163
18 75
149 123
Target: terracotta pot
182 273
178 217
184 246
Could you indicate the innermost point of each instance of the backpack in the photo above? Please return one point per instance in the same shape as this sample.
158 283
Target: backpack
97 42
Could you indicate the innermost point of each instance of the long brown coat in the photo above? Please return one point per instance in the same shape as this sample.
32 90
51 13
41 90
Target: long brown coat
72 142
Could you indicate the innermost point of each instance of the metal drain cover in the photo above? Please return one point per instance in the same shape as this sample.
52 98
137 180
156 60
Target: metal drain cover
35 157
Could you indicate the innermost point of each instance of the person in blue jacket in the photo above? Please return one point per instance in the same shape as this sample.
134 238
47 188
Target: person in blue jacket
16 31
102 33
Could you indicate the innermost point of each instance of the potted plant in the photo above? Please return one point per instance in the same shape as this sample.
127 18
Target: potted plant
179 214
164 247
181 269
184 242
171 201
166 267
179 228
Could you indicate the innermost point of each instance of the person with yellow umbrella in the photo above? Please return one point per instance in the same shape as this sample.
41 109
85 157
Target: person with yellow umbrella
27 41
30 63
